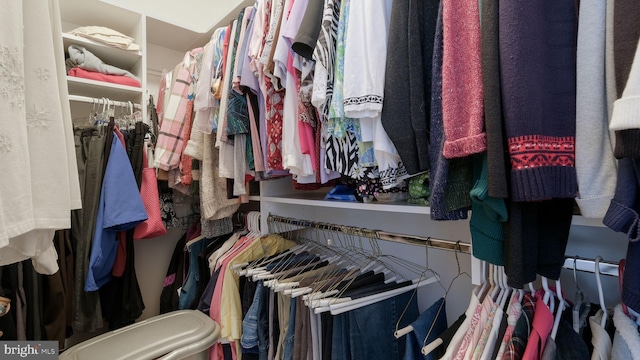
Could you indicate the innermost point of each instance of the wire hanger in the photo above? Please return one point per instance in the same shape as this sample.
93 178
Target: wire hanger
407 329
428 348
603 322
578 301
339 305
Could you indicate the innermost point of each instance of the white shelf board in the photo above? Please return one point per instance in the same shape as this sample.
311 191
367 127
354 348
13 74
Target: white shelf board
99 89
121 58
316 199
579 220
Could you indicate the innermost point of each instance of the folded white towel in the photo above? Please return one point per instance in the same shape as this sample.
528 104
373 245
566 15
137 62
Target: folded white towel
107 36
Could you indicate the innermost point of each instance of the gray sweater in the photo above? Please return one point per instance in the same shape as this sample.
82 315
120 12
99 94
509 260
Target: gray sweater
85 59
626 341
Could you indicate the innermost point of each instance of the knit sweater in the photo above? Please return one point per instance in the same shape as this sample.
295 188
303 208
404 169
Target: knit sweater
624 39
622 215
627 108
630 279
537 67
626 33
438 163
405 115
496 149
488 215
595 163
462 107
626 343
213 194
535 239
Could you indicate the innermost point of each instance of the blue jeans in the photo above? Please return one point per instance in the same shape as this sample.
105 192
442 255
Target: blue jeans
263 326
289 336
189 290
421 326
340 349
367 332
249 339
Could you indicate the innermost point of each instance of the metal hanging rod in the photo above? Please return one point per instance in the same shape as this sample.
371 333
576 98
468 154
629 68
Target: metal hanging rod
589 265
101 101
377 234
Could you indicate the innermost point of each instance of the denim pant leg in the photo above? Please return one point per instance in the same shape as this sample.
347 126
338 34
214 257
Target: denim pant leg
289 336
432 322
263 326
249 338
189 289
378 321
340 344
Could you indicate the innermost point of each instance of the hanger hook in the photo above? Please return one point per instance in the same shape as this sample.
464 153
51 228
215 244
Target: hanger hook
426 251
457 249
575 276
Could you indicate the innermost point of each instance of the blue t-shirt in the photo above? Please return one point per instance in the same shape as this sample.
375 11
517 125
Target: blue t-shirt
120 209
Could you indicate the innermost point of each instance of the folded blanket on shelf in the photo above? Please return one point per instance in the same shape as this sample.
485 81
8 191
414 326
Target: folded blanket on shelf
85 59
106 36
92 75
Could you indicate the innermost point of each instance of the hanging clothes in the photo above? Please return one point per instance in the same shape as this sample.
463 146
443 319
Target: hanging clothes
37 140
626 339
600 338
426 328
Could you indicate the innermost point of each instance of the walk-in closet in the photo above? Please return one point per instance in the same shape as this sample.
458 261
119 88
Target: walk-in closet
319 179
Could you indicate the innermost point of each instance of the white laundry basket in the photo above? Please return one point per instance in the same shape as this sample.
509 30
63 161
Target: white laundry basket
184 334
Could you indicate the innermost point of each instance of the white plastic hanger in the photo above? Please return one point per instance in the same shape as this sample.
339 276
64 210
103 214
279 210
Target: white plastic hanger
349 305
506 288
493 279
548 298
603 322
562 304
531 289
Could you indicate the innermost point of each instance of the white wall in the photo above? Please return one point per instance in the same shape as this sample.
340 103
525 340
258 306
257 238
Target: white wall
159 59
195 15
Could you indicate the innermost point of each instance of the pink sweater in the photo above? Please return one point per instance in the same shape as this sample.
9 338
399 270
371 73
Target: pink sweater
462 106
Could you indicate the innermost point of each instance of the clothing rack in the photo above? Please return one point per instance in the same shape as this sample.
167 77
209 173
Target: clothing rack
377 234
102 101
589 265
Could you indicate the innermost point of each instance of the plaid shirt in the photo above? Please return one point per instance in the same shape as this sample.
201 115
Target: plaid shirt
172 129
513 314
521 332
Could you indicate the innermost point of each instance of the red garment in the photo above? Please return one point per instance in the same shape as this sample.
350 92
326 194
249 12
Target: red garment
185 160
114 79
120 136
274 107
542 325
216 352
462 94
121 255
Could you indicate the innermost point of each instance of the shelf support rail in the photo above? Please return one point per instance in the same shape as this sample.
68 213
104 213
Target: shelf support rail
589 265
97 101
442 244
